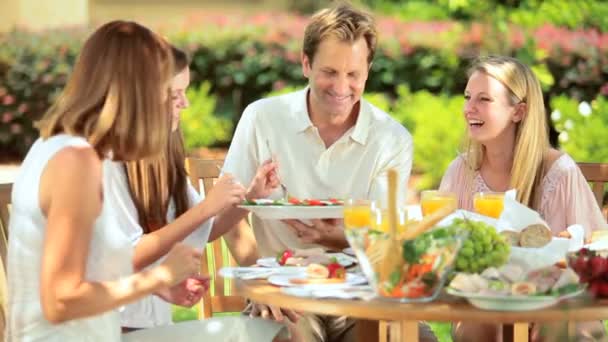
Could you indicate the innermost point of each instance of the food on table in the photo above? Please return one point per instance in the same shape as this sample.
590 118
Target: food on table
483 248
421 268
320 274
317 271
336 270
311 281
535 235
512 237
592 268
510 280
522 289
304 257
309 202
284 256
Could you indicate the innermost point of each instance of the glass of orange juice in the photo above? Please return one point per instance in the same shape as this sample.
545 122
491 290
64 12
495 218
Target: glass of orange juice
489 203
358 213
433 200
380 220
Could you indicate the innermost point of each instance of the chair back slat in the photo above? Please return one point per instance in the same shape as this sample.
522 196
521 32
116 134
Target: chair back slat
5 207
220 298
597 174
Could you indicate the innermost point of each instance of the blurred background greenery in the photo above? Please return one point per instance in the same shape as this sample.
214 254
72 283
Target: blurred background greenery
418 74
244 50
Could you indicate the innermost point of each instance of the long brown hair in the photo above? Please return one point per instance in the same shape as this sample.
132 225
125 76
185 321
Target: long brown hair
114 96
531 137
153 182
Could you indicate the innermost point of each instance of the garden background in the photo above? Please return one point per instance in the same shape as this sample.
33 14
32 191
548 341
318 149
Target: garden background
244 50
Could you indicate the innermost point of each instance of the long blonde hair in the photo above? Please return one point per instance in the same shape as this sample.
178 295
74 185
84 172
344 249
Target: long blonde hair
153 182
114 97
531 134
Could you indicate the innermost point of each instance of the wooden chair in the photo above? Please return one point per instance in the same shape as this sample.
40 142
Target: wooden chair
221 296
5 200
597 173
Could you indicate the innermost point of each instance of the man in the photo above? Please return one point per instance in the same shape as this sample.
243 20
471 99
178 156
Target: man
328 142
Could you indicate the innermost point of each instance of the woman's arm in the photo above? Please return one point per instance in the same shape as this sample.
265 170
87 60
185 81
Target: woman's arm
71 212
226 193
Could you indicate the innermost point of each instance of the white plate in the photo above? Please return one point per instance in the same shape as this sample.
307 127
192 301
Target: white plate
510 303
343 259
258 272
349 251
299 212
283 280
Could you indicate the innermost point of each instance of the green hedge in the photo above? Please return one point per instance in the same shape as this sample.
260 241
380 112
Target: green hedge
244 58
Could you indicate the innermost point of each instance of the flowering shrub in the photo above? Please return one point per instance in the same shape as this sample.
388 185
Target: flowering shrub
582 127
245 57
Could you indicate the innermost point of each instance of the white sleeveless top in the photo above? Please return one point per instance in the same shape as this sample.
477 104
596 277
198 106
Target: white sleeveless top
151 311
110 257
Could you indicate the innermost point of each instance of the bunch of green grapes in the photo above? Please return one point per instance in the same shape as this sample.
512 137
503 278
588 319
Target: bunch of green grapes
482 249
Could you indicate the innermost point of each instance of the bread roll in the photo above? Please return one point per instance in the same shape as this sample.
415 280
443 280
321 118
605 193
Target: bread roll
512 237
535 235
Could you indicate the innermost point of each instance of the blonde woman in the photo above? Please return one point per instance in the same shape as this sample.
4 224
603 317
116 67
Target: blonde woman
157 207
508 147
68 266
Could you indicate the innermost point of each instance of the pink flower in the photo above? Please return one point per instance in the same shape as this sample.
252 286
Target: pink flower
16 128
7 117
8 100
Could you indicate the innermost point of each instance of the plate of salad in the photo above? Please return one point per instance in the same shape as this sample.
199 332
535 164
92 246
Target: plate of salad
509 288
294 208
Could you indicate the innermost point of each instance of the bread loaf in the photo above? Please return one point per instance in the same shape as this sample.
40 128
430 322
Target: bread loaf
535 235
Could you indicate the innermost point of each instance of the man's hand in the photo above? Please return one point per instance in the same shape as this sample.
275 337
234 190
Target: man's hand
187 293
264 182
326 232
275 313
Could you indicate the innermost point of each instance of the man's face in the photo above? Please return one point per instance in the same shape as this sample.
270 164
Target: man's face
337 75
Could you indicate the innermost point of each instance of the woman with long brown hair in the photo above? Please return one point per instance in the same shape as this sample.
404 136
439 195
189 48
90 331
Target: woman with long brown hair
66 259
157 207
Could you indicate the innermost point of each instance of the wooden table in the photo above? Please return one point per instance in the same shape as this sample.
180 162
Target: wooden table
406 316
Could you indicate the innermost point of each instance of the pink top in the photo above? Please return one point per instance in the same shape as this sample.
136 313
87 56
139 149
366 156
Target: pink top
566 198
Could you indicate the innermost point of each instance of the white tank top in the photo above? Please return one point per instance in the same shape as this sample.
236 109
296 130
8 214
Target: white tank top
110 256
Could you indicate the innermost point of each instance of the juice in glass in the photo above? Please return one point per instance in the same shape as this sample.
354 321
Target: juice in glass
489 203
433 200
380 220
358 213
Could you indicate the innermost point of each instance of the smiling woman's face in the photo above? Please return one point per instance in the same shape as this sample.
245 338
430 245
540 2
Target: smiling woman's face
487 109
179 101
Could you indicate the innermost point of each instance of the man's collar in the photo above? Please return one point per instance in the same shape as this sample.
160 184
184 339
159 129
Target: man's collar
302 118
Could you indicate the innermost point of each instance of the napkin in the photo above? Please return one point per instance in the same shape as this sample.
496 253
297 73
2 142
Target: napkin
516 216
364 292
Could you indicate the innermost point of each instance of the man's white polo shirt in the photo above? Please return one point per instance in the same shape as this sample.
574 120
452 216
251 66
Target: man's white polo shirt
353 167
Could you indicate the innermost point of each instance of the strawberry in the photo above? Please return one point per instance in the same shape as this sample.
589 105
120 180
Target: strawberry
598 266
283 256
294 200
313 202
336 271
